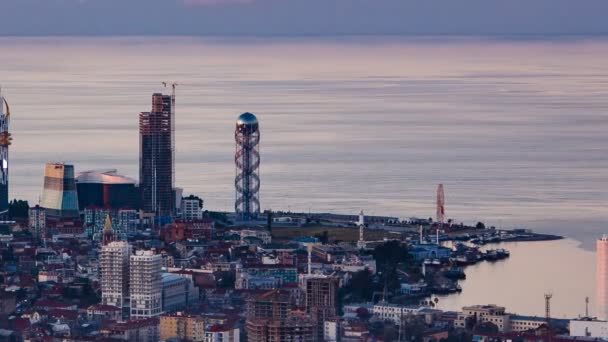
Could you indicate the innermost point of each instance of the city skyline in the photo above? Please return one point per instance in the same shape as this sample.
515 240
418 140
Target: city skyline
415 170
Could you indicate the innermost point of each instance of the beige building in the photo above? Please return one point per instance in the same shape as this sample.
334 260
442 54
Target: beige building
182 326
496 315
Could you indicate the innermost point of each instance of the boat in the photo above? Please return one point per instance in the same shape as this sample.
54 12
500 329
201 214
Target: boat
455 272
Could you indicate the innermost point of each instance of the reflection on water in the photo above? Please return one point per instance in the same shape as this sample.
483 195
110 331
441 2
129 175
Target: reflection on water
516 130
534 268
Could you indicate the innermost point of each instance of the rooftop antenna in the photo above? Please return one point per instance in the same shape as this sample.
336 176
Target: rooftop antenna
548 297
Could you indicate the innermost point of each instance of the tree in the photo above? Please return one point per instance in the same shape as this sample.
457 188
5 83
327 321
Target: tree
323 237
363 314
360 285
225 280
269 221
480 225
391 253
18 209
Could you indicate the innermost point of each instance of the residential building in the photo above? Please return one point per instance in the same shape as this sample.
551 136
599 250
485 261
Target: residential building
223 333
278 274
331 330
37 222
145 284
100 313
136 330
114 264
192 208
182 326
180 230
177 292
128 220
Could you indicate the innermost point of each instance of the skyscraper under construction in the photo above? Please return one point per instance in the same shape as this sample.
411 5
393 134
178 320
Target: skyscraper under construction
5 141
156 156
247 160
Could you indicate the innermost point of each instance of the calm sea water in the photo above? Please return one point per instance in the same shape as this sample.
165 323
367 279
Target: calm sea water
516 130
533 269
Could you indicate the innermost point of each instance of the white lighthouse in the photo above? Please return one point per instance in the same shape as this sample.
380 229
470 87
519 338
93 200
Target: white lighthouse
361 224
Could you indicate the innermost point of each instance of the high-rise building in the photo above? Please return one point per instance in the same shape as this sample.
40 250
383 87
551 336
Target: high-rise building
5 141
192 208
269 318
321 300
247 160
37 222
156 156
601 274
106 189
114 264
59 196
145 284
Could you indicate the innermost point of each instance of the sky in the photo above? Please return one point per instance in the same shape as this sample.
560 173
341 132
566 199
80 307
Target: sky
303 17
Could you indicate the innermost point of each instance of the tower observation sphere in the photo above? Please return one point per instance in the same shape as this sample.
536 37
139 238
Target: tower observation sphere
247 162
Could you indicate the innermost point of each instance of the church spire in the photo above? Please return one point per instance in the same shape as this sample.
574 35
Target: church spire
108 231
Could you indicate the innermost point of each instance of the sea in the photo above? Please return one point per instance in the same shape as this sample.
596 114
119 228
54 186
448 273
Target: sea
515 128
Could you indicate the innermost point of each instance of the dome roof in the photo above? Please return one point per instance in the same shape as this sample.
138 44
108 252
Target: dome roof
247 119
103 177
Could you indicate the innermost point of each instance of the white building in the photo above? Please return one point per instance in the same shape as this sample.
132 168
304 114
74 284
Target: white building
586 327
331 330
192 208
114 264
219 333
37 222
145 284
394 312
260 234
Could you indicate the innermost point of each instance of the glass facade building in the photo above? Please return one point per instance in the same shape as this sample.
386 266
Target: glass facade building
59 196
